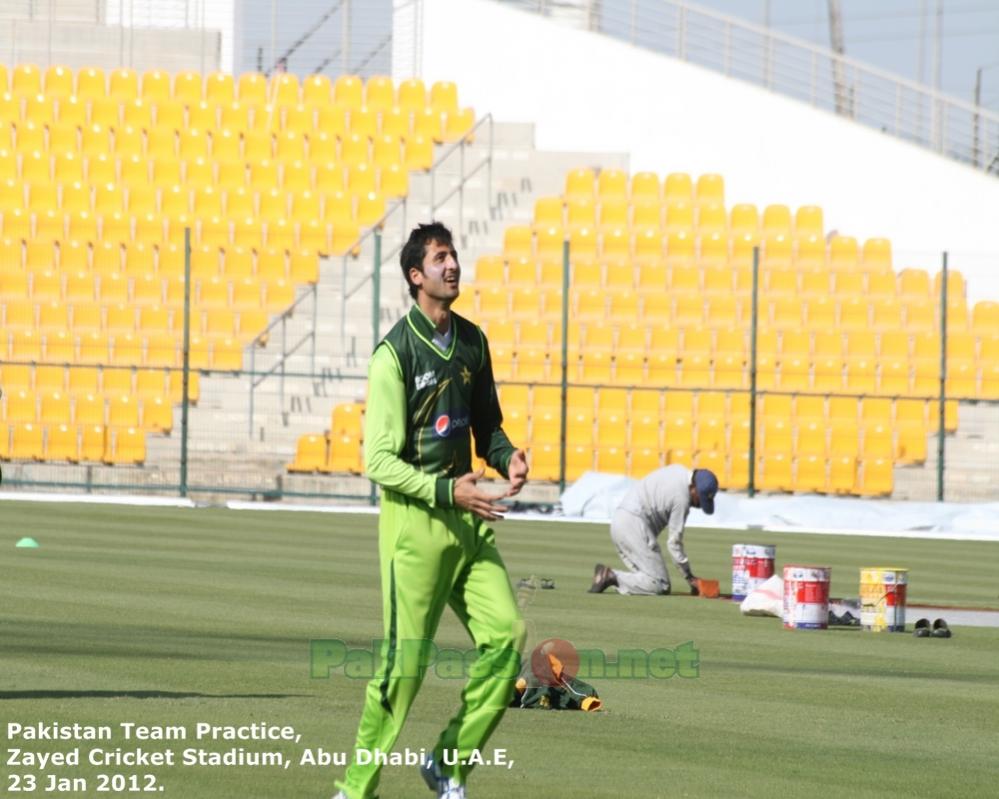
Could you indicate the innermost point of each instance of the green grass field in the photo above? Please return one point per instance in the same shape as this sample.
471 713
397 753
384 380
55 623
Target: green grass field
174 617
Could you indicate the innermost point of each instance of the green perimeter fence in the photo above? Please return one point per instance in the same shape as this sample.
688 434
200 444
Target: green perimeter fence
108 408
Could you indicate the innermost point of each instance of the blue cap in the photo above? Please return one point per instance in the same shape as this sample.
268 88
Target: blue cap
707 486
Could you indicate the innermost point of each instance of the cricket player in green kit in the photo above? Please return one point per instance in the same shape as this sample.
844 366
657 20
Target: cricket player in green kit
430 387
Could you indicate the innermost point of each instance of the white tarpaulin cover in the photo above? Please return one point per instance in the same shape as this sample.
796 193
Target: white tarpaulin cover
595 496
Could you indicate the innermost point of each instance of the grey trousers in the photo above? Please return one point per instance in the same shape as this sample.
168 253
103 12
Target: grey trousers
638 547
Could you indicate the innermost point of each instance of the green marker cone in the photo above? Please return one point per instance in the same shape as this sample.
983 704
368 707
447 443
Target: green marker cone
27 543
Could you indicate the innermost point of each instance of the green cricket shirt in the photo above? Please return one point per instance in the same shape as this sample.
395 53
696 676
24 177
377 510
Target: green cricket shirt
423 406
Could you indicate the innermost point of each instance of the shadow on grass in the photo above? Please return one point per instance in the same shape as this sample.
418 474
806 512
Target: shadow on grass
4 695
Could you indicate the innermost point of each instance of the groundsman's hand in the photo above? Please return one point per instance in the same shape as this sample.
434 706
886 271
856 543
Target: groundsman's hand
517 472
468 496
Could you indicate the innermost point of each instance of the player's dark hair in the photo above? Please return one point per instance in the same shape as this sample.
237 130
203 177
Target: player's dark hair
415 249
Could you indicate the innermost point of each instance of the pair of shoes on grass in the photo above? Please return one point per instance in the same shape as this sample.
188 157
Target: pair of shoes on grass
938 630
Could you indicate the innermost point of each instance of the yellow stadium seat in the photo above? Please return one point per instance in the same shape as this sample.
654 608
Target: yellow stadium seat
62 443
26 441
47 379
92 441
157 414
877 441
776 250
87 315
219 88
876 477
712 218
53 316
877 255
611 459
126 349
612 184
854 314
842 474
680 218
886 315
16 224
744 218
25 345
252 88
458 125
775 473
843 253
808 220
678 186
580 183
91 82
827 374
810 474
125 445
187 87
16 377
777 219
26 80
894 376
155 85
811 258
849 284
20 405
961 378
347 91
412 95
316 90
645 185
310 454
428 122
811 438
283 89
443 96
155 319
985 318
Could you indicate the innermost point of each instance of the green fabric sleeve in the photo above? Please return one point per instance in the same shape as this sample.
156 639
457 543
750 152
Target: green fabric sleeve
385 435
491 443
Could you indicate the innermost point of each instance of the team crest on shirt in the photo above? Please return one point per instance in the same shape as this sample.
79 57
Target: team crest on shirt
426 379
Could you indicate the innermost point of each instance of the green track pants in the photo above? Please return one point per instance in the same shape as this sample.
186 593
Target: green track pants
431 557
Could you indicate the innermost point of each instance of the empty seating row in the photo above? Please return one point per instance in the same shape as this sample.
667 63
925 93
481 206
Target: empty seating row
139 260
85 443
150 412
380 93
45 380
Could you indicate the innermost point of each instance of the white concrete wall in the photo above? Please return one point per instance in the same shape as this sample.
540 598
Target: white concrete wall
589 92
211 15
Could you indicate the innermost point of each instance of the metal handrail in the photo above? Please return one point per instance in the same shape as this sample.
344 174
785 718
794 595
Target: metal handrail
286 352
792 66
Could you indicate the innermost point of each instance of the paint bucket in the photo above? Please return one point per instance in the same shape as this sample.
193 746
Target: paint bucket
806 597
882 599
752 565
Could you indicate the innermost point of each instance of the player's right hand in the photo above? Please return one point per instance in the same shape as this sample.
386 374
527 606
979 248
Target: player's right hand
468 496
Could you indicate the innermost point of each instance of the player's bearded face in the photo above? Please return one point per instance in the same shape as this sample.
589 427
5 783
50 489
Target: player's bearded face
441 273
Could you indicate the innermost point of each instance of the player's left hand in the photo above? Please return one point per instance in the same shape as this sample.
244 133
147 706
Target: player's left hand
517 472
